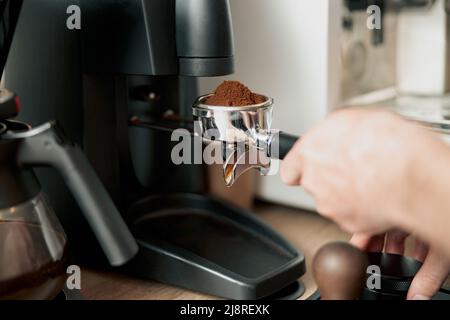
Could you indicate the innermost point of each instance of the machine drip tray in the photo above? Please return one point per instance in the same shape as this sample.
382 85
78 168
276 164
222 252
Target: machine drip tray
205 245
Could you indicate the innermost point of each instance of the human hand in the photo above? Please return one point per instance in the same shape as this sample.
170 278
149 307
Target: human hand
361 166
435 268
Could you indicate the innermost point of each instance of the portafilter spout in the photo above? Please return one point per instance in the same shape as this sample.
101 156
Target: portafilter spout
245 133
238 159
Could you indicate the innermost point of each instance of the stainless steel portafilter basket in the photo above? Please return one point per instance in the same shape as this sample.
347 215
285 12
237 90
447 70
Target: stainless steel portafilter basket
245 134
233 124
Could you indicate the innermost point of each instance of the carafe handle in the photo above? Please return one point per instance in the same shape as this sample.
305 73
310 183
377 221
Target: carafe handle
46 145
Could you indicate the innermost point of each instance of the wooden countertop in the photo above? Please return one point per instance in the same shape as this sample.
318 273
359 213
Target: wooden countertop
305 230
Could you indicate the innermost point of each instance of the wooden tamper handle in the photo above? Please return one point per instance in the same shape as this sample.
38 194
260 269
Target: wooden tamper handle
340 271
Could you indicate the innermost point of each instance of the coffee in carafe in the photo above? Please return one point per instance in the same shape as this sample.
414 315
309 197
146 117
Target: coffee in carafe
33 252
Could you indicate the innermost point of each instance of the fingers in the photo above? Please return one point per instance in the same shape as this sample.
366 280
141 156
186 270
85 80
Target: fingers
430 277
291 168
361 240
368 242
421 251
395 242
376 244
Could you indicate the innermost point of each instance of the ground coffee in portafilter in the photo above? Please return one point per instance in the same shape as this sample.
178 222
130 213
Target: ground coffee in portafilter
234 94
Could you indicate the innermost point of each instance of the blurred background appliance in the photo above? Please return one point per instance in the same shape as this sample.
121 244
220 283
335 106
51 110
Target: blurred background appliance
313 57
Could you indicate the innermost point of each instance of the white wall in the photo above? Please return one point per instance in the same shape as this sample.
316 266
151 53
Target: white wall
283 50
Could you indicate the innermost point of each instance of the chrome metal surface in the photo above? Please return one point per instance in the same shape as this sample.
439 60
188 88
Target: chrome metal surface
431 112
26 131
238 162
233 124
245 133
3 128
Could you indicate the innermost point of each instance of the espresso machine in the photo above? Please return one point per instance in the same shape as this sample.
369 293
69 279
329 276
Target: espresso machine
411 71
119 84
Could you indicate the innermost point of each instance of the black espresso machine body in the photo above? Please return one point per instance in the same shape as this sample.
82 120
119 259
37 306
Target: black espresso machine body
118 75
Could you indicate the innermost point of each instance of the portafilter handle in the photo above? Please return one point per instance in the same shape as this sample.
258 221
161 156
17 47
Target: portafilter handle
46 145
280 143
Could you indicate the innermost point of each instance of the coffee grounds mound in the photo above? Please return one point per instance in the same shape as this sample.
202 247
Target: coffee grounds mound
234 94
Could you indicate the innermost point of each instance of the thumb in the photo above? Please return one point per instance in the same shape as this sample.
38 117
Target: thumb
430 277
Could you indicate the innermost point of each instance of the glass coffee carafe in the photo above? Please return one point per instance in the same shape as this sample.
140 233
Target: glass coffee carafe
33 251
33 246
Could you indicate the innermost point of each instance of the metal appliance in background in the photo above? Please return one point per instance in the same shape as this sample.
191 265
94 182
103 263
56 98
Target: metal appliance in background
423 67
418 57
318 56
119 86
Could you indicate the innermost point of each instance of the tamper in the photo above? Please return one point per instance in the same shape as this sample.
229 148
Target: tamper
393 279
340 271
343 272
